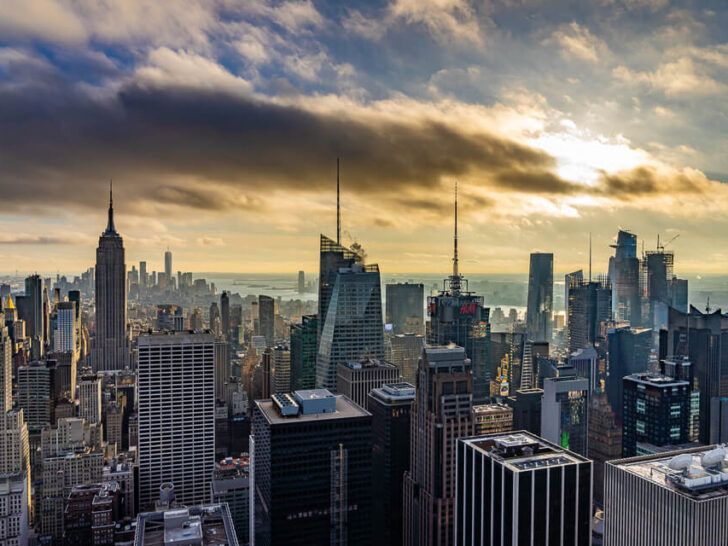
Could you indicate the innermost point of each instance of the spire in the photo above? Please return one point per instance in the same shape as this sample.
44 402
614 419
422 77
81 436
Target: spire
9 303
455 278
110 229
338 206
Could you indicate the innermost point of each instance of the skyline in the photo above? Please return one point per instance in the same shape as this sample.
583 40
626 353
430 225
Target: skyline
221 123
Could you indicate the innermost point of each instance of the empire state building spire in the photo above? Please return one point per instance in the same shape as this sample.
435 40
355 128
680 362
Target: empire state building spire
110 229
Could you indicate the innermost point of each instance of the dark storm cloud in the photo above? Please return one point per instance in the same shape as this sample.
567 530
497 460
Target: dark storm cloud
59 145
646 181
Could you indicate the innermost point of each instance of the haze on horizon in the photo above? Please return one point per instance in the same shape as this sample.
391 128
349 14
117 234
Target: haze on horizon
220 123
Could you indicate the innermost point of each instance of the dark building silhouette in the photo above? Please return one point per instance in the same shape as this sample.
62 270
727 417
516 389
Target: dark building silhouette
390 406
267 319
629 353
111 345
539 314
303 353
656 412
441 413
225 314
590 304
405 305
312 473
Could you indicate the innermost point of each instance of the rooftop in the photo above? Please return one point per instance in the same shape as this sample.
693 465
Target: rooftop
522 451
343 408
395 392
700 473
657 380
367 363
208 525
492 408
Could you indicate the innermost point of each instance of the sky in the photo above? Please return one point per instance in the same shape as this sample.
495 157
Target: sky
220 122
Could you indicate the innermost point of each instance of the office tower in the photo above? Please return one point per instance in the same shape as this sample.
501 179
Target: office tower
585 362
700 338
656 413
404 352
458 316
222 368
176 414
301 282
565 410
91 511
71 456
225 314
231 484
303 353
113 424
30 310
507 350
406 308
679 294
267 319
628 353
353 327
678 498
390 406
526 404
14 514
311 454
492 418
441 413
624 272
539 314
521 489
215 322
89 397
571 279
111 346
168 264
195 319
355 378
590 304
143 276
281 369
605 440
35 395
64 338
332 258
193 525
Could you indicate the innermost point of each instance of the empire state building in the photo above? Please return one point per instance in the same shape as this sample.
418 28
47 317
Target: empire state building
111 346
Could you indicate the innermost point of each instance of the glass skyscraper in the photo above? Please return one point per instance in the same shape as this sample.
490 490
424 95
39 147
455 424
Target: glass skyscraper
539 315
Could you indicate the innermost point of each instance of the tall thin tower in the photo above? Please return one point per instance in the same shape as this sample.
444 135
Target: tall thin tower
111 345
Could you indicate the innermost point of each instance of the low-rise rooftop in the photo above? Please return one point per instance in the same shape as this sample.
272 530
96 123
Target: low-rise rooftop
315 405
208 525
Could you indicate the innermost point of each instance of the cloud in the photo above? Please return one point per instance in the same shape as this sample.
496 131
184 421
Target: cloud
25 239
578 42
210 241
355 22
678 78
449 21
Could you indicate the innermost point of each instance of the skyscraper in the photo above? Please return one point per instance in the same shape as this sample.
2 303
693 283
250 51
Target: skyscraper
311 458
35 396
565 411
539 314
570 279
225 314
624 271
458 316
441 413
303 353
353 327
656 413
267 318
703 339
89 397
281 369
356 378
111 346
176 415
168 265
404 352
390 406
590 303
30 310
628 353
405 308
301 282
516 488
333 257
64 337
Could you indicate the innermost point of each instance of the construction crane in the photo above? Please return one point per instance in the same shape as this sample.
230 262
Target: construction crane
662 247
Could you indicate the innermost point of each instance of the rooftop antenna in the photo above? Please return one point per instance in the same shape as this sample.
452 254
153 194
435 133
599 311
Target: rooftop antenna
590 257
455 240
338 206
110 226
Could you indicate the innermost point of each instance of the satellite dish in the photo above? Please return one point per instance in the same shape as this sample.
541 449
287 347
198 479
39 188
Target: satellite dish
713 457
681 462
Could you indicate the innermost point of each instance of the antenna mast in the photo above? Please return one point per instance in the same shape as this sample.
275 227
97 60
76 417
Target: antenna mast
590 257
338 206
